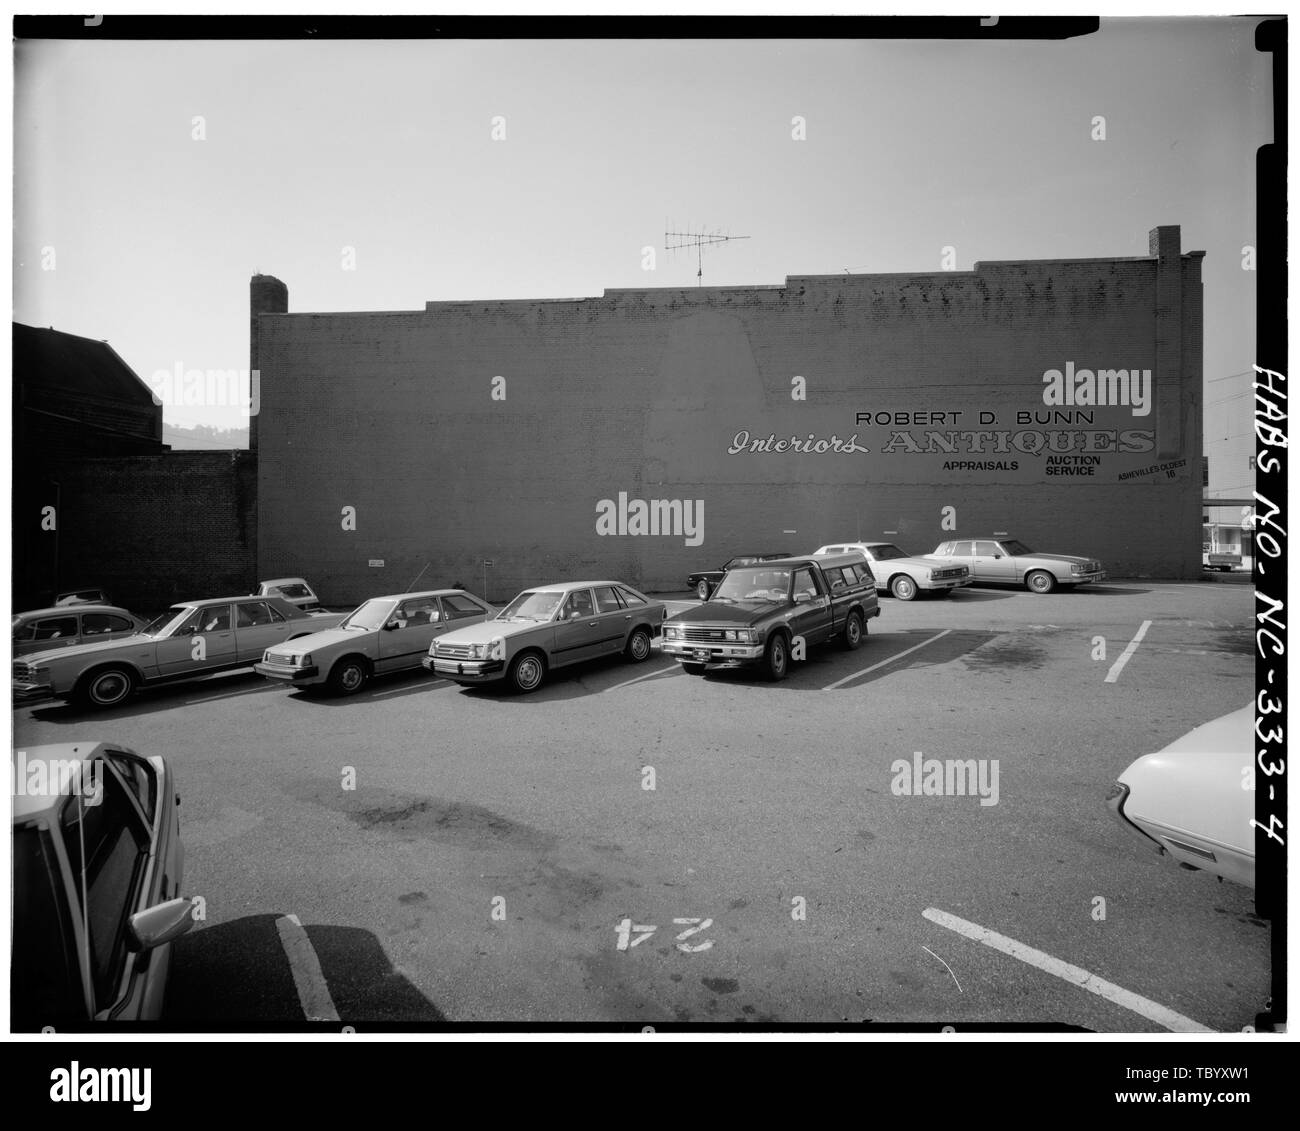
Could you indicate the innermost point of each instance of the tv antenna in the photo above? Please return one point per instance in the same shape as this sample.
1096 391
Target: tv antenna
675 241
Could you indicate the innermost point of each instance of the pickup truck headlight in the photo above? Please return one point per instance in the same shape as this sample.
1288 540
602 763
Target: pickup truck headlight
672 632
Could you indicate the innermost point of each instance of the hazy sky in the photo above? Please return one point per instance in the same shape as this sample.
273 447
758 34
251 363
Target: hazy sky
386 147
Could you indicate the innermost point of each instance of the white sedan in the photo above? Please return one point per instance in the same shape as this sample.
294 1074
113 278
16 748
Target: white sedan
903 574
1194 800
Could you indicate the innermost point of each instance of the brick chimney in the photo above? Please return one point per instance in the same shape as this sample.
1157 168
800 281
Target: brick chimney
266 295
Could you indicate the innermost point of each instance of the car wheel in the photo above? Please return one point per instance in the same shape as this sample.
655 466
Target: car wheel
349 676
527 670
903 587
1040 581
694 669
777 658
638 646
854 630
106 688
702 590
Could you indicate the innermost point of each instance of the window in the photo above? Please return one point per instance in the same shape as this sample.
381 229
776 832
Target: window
578 605
215 618
296 592
805 585
835 577
116 845
986 549
458 608
140 780
419 610
607 599
48 628
96 624
629 598
252 615
46 978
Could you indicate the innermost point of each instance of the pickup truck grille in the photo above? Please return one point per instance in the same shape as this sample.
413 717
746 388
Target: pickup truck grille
703 635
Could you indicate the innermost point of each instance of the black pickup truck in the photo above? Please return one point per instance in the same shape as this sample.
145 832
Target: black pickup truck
765 614
706 580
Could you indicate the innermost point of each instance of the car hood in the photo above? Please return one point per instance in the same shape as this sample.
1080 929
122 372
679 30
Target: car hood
725 613
486 630
912 561
134 640
326 638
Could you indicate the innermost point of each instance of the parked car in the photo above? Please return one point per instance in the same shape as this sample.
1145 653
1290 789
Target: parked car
386 634
92 596
1005 561
41 630
704 582
293 589
194 638
550 627
1193 800
1221 560
97 821
900 573
757 611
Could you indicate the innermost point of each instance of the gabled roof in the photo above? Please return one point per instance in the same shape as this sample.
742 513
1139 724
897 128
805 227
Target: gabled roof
51 358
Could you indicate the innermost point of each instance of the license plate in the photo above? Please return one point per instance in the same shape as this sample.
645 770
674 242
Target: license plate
702 654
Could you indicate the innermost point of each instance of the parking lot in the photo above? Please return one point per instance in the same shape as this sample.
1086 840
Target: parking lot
422 853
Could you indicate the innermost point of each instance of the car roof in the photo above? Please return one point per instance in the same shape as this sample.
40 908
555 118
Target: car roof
858 543
282 580
25 805
825 561
420 593
70 610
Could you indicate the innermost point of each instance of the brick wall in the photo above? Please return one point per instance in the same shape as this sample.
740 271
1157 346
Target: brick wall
644 392
154 530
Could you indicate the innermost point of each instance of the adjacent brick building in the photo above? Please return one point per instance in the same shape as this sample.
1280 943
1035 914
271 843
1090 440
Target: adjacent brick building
647 432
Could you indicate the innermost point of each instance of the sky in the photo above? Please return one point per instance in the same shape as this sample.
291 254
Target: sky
385 147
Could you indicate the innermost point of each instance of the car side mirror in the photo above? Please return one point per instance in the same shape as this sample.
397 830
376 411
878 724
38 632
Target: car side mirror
803 598
392 624
997 555
160 924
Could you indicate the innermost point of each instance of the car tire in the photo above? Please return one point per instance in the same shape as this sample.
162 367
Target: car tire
702 590
694 669
527 672
903 587
1040 581
348 676
776 658
106 688
638 646
855 631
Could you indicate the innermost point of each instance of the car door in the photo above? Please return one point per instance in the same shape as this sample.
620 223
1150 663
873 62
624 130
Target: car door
577 631
117 842
204 641
614 617
812 614
258 626
418 621
991 563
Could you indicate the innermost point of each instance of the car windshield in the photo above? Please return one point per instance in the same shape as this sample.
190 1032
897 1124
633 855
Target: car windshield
754 584
535 604
886 551
371 616
162 625
1014 548
293 592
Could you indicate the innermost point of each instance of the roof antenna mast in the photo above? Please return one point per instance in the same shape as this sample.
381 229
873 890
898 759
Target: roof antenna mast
676 241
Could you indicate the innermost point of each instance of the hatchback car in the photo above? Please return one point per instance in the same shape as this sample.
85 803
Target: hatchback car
1006 561
386 634
97 873
40 630
550 627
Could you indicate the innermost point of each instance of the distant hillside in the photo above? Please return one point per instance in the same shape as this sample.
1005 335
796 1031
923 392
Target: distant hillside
204 437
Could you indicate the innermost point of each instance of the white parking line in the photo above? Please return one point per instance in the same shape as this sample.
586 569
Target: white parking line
1076 975
1118 665
866 671
648 675
313 992
407 687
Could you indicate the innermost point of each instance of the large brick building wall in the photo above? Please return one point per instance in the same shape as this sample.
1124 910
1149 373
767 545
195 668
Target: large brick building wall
508 430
